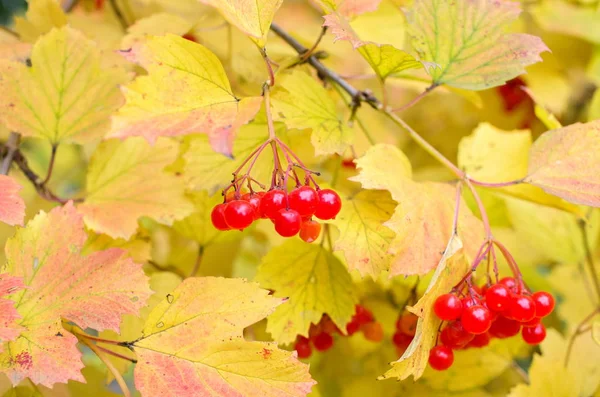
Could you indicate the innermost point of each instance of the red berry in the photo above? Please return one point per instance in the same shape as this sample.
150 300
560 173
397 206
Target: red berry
239 214
476 319
234 195
303 347
480 340
373 331
534 335
287 222
310 230
323 341
271 203
217 216
329 206
362 315
254 200
510 282
304 200
352 327
401 340
497 297
441 358
504 328
454 335
448 307
522 308
190 37
532 323
544 303
407 324
468 301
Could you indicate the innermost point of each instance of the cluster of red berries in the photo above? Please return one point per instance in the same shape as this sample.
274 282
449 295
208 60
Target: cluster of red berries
499 311
291 213
406 327
321 335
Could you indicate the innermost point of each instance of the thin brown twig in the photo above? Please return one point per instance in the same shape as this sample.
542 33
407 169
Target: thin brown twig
102 356
12 146
50 164
198 261
312 49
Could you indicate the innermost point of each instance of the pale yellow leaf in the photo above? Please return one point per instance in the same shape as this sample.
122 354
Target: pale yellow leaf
155 25
583 21
387 60
40 18
126 180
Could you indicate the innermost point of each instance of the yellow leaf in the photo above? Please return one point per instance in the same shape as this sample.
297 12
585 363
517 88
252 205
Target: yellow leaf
198 226
551 16
251 17
493 155
364 239
348 8
126 180
450 270
564 163
424 216
594 112
155 25
40 18
66 96
306 104
465 41
387 60
137 248
186 91
314 281
596 331
193 341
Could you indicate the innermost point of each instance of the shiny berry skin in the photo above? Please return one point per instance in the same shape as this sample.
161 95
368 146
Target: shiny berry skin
534 335
510 282
362 315
310 231
254 200
271 203
441 358
239 214
352 327
497 297
329 206
544 303
480 340
532 323
217 216
302 347
287 222
454 335
476 319
323 341
522 308
407 324
305 200
504 328
448 307
467 302
373 331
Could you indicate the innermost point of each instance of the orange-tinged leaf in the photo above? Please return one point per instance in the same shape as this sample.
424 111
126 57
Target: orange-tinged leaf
193 345
464 39
185 91
450 270
9 329
12 206
564 162
424 216
127 180
92 291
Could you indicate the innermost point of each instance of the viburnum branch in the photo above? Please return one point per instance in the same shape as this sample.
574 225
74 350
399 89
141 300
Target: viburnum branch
102 356
312 49
117 355
11 147
269 65
198 261
50 164
416 99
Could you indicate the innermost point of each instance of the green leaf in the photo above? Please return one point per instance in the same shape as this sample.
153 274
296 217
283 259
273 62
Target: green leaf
314 281
386 60
464 39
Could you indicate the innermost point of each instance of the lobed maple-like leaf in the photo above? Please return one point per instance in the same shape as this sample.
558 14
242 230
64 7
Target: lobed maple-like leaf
40 18
304 103
464 39
192 345
564 163
424 215
314 281
185 91
92 291
127 180
364 240
12 206
66 95
155 25
450 270
9 329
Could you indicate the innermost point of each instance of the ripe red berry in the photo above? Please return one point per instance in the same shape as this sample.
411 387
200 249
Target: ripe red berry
476 319
510 282
305 200
448 307
522 308
532 323
287 222
497 297
407 324
310 230
455 336
480 340
534 335
373 331
323 341
468 301
362 315
271 203
217 216
401 340
302 347
441 358
544 303
254 200
504 328
329 206
352 327
239 214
